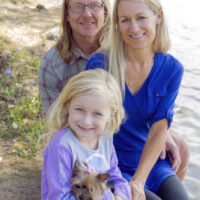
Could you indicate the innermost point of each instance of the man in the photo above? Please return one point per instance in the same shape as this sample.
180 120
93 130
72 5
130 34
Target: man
85 29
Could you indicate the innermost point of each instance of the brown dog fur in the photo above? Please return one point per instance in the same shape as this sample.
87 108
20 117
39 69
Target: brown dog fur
88 185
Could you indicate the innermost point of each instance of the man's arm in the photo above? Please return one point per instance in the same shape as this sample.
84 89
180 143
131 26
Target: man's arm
48 85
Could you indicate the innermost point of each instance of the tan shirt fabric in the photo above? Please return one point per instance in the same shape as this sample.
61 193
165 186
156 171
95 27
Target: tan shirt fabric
54 73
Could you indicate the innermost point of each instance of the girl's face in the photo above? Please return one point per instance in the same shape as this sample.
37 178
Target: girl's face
88 116
137 24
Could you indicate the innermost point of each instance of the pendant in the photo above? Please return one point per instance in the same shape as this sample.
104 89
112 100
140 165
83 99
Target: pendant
130 83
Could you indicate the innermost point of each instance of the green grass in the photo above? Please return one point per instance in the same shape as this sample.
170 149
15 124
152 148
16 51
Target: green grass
20 105
19 1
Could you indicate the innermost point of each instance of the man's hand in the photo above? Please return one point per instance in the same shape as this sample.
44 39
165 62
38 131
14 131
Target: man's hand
173 152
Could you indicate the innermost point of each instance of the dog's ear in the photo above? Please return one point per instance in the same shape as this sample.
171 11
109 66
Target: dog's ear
85 163
77 169
76 173
103 177
77 166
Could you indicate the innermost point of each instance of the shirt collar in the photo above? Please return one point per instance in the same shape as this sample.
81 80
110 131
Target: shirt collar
77 53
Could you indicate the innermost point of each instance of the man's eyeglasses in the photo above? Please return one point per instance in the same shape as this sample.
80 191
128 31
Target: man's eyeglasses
79 7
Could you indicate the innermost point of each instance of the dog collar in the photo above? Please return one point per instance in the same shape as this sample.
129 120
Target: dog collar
88 170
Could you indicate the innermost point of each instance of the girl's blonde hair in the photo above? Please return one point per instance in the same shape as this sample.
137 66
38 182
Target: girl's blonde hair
91 82
64 43
117 60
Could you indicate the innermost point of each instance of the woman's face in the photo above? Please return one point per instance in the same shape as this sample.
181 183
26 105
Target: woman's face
137 24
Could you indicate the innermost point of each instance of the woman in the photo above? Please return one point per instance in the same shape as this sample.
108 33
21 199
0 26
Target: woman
150 79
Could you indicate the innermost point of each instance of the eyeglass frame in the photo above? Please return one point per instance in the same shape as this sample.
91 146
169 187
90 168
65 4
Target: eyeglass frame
84 5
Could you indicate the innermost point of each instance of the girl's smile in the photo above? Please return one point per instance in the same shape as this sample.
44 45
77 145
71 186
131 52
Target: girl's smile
88 117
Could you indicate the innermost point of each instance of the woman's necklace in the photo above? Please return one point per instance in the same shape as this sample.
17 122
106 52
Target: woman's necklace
135 80
129 83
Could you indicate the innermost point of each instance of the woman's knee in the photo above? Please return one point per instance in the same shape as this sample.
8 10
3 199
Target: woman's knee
172 188
150 195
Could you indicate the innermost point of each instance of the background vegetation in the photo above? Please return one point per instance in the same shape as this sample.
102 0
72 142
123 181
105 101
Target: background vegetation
20 105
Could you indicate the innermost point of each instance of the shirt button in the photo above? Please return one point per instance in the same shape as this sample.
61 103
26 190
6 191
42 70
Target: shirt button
157 94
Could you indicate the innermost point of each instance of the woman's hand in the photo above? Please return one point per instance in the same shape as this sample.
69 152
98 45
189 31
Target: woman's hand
118 198
137 190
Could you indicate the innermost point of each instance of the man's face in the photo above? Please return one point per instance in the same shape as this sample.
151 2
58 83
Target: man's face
88 21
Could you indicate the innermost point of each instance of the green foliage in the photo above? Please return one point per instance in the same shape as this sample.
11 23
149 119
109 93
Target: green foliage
20 105
19 1
27 120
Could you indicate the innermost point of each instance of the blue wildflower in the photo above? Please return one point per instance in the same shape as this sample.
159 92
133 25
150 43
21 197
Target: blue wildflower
8 71
11 56
16 49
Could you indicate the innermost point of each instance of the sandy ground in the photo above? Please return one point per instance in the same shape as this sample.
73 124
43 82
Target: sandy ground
36 30
19 178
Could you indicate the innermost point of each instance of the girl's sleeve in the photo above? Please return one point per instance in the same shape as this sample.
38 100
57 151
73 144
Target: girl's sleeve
57 172
121 187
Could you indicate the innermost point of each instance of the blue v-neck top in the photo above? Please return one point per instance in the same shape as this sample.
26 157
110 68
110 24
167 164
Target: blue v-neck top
153 102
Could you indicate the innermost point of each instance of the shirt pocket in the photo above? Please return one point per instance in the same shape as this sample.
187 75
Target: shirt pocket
155 99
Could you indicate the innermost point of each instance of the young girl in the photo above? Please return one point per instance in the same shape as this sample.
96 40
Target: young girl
80 125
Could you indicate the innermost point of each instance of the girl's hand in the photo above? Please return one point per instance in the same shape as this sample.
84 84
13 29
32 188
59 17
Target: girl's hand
118 198
137 190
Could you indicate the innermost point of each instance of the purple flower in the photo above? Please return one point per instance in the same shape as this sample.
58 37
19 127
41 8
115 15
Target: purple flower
8 71
16 49
11 56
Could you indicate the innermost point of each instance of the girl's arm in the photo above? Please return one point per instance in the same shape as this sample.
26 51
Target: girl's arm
121 188
56 173
153 146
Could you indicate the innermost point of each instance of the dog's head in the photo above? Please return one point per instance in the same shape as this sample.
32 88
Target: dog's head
88 185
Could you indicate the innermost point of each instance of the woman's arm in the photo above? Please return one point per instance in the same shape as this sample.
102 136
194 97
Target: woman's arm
152 149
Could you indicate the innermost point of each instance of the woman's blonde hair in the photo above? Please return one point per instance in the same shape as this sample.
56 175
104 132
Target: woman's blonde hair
91 82
117 49
64 43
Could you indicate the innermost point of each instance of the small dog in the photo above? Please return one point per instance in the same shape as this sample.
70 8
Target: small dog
87 185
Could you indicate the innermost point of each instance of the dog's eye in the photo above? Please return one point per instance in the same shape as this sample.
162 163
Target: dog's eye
77 186
84 187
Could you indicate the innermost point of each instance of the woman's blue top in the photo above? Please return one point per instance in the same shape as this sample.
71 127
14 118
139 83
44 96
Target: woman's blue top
153 102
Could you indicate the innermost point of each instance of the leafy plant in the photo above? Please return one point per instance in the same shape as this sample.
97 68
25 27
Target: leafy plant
20 105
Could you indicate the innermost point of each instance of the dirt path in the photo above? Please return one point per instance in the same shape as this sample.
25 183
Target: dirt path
35 30
29 26
19 178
